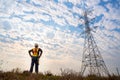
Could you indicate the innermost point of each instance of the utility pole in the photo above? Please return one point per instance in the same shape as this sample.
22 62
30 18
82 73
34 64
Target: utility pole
92 61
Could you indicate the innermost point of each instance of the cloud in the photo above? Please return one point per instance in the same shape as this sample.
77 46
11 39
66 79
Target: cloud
6 25
92 3
56 27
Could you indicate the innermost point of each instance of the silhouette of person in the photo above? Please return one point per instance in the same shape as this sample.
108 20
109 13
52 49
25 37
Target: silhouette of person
36 54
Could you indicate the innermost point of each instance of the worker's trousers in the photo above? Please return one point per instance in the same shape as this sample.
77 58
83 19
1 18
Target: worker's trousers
34 61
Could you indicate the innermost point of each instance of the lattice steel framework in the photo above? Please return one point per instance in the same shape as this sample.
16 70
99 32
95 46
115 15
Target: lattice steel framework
92 61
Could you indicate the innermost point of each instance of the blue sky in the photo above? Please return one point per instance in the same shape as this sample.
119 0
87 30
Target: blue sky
56 26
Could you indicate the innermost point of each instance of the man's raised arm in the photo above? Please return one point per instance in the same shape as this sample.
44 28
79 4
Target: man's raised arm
30 52
40 52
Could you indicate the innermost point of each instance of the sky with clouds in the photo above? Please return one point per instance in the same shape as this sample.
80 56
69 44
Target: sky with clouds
56 25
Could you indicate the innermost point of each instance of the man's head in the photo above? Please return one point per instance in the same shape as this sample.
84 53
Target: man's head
36 45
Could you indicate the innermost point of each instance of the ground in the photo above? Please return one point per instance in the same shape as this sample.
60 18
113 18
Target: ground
16 75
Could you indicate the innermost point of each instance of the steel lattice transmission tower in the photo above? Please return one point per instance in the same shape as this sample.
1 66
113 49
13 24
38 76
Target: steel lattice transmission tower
92 61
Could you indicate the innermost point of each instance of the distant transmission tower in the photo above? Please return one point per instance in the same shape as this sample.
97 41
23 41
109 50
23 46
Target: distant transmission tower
92 61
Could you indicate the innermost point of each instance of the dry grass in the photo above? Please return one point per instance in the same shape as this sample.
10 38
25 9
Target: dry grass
65 75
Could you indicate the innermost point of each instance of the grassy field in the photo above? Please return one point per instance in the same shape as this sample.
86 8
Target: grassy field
16 75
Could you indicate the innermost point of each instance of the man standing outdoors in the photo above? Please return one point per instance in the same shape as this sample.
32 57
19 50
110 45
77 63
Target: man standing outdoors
36 54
